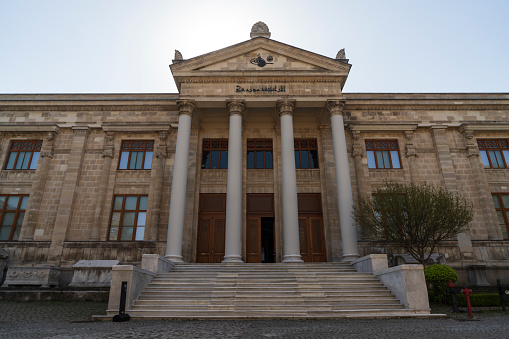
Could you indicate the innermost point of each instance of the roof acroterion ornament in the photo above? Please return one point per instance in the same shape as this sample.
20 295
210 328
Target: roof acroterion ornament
178 57
341 54
260 29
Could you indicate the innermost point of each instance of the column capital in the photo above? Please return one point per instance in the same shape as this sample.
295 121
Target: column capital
335 107
285 107
235 107
186 107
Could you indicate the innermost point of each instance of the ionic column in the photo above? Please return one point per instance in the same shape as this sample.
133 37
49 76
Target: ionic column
158 172
289 178
344 187
35 199
107 154
179 182
233 244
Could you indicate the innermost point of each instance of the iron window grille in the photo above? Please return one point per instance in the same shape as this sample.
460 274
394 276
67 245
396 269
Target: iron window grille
306 153
136 155
383 154
494 152
214 154
259 153
23 154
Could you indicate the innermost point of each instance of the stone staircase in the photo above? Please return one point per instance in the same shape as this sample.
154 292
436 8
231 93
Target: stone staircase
309 290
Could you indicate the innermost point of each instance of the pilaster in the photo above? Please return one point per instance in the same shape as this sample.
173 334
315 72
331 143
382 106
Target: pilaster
107 155
68 194
481 184
156 186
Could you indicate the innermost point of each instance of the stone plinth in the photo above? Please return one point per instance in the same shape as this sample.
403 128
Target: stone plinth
92 273
43 276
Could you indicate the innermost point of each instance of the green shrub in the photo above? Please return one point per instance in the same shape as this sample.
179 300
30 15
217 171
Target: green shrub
437 277
478 300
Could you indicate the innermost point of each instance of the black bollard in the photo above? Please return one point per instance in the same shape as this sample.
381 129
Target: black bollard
122 316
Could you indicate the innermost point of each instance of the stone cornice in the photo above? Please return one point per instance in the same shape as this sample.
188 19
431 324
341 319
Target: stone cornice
29 128
136 127
382 127
91 108
483 127
425 107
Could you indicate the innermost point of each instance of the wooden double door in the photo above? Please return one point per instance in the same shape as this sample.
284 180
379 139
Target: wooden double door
260 233
211 228
260 228
311 234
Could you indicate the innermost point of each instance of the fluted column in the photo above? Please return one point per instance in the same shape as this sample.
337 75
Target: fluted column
103 186
344 186
179 182
233 245
34 202
289 178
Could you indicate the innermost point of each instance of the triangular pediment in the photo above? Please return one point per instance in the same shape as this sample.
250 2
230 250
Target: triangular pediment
260 54
267 63
262 59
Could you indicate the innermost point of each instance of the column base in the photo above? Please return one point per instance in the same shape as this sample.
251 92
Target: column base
174 258
233 258
292 258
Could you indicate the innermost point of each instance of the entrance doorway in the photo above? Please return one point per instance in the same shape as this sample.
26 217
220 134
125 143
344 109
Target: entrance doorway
311 235
260 229
211 228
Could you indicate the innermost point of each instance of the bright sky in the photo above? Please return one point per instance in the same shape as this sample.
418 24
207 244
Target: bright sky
125 46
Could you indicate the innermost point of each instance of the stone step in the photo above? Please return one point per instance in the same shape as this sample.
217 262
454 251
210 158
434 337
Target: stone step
269 314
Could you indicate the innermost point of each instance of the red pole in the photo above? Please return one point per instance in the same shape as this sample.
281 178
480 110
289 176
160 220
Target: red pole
467 293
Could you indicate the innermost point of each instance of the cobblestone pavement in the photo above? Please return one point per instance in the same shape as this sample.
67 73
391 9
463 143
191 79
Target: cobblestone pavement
73 320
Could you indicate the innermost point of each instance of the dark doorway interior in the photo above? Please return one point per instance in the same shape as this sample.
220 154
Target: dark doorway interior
268 255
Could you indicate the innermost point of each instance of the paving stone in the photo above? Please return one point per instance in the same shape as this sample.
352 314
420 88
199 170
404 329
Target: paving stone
73 320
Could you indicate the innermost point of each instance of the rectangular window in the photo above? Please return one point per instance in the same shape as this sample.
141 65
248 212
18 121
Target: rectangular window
383 154
259 153
136 155
11 217
494 153
128 218
306 153
501 202
23 155
215 154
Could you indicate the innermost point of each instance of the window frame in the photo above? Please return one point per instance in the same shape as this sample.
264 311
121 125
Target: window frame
219 145
129 146
260 145
36 148
306 145
122 212
371 146
504 209
502 145
17 211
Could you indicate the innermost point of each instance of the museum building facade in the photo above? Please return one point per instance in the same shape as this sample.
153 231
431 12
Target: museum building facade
258 158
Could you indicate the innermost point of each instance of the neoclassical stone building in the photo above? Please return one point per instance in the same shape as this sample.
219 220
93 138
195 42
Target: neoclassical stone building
258 158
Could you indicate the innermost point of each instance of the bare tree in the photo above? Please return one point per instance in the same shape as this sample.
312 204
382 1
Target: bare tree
414 217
